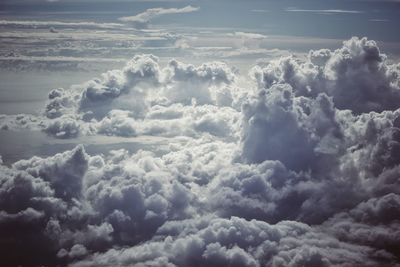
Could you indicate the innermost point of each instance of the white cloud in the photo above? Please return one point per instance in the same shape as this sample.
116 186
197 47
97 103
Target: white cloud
38 23
298 168
357 76
141 20
250 35
142 89
325 11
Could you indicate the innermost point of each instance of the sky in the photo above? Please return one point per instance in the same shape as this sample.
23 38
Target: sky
199 133
310 18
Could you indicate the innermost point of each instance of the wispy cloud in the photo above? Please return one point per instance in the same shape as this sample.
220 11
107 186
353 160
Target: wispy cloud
324 11
379 20
36 23
259 10
144 18
248 35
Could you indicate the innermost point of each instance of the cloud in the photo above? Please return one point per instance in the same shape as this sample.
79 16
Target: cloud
260 10
62 24
177 209
379 20
142 20
356 76
125 102
249 35
83 45
224 242
289 94
325 11
73 205
298 166
371 223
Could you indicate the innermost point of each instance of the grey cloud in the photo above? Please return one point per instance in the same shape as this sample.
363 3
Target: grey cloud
357 76
32 192
63 127
119 123
299 169
158 209
123 102
237 242
72 199
373 223
277 122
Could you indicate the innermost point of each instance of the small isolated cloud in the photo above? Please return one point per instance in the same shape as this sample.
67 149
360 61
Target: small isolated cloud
142 20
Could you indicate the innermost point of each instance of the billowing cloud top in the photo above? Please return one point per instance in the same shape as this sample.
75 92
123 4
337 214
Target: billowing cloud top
297 166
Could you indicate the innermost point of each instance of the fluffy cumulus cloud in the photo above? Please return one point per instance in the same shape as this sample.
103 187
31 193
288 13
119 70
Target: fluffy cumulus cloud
145 98
356 76
298 167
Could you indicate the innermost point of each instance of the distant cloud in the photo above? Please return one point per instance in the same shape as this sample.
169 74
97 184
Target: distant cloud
52 30
38 23
142 19
249 35
260 10
325 11
379 20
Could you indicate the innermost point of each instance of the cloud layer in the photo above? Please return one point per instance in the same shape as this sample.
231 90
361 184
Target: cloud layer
299 168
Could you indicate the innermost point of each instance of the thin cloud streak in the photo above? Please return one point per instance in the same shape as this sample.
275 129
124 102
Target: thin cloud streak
259 11
325 11
38 23
144 18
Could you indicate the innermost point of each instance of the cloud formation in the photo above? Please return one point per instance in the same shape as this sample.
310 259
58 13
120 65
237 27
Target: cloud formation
145 99
325 11
357 76
143 19
298 169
